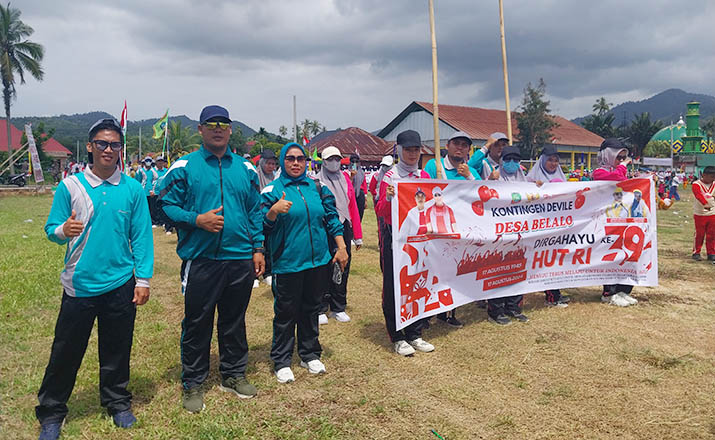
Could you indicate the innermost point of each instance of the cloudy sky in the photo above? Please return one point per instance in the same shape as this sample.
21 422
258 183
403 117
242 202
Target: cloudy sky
357 62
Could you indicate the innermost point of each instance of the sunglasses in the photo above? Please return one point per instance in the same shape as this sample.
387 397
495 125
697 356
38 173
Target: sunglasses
102 145
215 125
621 157
299 159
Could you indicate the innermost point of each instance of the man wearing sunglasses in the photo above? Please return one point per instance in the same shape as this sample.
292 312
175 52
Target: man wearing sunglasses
212 196
102 216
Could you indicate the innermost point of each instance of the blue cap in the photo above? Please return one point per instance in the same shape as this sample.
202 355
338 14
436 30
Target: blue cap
213 111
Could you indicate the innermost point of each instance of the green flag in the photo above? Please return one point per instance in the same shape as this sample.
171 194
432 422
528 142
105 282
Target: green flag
160 126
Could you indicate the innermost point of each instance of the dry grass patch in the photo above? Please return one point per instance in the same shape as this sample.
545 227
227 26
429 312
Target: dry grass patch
587 371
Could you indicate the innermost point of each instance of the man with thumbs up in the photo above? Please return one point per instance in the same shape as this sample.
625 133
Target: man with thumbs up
103 217
212 196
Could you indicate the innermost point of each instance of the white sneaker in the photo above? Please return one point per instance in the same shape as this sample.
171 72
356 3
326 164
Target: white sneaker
168 232
285 375
420 344
154 226
616 300
340 316
256 284
404 349
322 319
268 280
314 366
631 301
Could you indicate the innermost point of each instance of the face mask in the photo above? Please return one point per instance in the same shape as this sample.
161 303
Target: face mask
332 165
511 166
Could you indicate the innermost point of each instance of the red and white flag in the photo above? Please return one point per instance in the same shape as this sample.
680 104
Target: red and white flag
123 123
306 141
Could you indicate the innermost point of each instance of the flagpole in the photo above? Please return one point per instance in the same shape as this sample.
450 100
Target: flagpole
166 140
139 155
435 106
505 71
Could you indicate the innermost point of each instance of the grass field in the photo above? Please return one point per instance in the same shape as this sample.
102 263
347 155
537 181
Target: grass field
590 371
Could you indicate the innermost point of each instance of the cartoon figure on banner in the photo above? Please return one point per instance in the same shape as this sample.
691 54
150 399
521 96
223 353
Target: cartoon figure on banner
418 214
638 208
440 217
617 209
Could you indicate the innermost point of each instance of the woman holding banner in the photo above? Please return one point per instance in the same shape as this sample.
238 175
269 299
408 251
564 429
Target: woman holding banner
612 161
500 309
409 146
548 170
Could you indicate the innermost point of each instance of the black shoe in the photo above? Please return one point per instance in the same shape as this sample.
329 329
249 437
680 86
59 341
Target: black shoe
565 299
519 316
452 321
697 257
442 317
501 320
482 304
51 431
124 419
711 257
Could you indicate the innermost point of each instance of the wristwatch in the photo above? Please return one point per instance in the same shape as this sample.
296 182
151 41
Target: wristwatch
259 250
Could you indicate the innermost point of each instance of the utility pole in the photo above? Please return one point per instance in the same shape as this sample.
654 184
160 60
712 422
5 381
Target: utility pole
295 123
140 145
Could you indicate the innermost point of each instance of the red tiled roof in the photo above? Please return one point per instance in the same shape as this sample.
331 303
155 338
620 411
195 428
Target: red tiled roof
53 146
16 135
479 123
370 147
50 146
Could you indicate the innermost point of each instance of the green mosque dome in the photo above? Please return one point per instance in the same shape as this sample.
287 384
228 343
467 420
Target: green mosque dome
664 133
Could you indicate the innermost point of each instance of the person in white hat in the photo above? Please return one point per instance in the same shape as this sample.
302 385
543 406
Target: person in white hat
340 184
486 159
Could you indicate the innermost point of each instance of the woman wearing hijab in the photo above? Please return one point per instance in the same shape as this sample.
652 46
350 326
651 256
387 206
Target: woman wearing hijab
612 161
548 170
299 215
267 166
509 168
500 309
409 339
340 184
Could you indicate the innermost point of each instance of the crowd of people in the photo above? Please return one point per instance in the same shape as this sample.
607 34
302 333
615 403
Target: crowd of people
237 223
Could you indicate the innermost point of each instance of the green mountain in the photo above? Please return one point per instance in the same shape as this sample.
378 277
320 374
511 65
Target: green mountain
666 106
70 129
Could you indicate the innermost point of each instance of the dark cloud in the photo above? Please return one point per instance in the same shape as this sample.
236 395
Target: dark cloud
358 62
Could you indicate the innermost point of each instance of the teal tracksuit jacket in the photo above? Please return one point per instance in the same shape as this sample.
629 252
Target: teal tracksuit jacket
199 182
298 239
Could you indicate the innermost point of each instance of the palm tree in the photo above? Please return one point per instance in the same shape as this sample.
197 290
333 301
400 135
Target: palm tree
709 128
641 130
602 107
283 131
181 138
17 55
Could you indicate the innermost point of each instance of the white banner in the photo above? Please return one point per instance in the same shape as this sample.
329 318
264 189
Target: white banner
455 242
36 165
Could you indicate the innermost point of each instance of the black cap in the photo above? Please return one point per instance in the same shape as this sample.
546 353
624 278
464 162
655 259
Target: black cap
612 143
268 154
511 152
214 112
354 158
106 124
709 170
409 138
549 150
161 159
